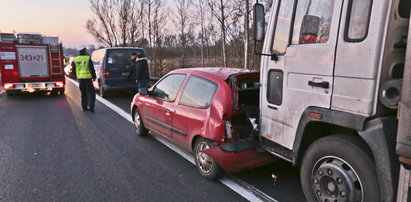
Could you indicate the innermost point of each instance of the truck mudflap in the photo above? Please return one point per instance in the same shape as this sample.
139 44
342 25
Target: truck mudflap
380 135
237 156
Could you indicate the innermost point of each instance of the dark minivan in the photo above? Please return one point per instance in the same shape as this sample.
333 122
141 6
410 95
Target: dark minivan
112 67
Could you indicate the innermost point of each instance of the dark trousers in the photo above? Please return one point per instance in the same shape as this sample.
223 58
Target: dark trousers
88 95
142 84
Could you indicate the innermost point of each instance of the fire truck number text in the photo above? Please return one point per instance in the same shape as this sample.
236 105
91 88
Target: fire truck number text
31 58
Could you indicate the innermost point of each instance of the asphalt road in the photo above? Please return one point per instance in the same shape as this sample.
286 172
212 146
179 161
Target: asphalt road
50 150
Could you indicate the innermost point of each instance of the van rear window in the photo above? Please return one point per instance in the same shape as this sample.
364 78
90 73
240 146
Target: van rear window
404 8
121 57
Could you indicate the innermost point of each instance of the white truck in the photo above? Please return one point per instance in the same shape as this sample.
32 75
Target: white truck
331 79
404 130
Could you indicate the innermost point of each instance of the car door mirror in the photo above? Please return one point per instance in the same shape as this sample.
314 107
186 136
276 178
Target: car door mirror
309 29
143 91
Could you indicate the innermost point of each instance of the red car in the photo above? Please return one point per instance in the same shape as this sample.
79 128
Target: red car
211 112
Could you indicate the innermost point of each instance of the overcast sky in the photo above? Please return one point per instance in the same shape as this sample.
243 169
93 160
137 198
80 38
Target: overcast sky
63 18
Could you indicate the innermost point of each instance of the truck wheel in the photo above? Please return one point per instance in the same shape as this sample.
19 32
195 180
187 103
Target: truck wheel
61 91
53 92
206 165
10 93
337 168
139 125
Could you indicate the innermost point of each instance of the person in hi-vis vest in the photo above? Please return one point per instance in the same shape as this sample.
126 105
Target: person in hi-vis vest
83 68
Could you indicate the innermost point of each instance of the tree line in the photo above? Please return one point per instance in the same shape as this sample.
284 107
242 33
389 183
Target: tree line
178 33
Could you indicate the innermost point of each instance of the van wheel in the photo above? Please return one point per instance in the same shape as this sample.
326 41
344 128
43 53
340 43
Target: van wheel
206 165
102 92
337 168
139 125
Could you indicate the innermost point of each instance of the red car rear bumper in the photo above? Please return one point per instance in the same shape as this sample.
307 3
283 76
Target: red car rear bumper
236 161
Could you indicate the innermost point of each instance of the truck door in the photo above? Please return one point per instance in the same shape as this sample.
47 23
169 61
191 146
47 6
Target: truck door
303 35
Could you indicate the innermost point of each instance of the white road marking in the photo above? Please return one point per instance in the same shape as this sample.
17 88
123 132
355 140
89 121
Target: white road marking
242 188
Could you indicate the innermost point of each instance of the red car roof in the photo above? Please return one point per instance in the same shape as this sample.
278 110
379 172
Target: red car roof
221 73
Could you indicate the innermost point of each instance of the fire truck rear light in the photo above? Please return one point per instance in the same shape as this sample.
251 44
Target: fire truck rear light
106 74
8 86
59 84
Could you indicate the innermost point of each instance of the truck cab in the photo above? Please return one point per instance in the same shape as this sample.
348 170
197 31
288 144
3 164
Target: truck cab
331 75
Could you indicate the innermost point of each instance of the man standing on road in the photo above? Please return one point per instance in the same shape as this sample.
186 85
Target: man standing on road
83 68
132 65
142 73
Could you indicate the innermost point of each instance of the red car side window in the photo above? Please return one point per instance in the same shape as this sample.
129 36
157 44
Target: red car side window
168 88
194 97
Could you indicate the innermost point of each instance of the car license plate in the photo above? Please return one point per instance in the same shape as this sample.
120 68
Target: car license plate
35 85
125 73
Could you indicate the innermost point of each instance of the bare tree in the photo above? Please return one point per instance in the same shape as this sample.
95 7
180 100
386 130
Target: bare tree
149 4
201 11
99 26
115 22
222 35
182 20
219 10
247 32
125 15
158 21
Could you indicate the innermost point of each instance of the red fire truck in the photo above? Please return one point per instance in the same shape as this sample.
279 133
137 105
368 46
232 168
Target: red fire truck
31 62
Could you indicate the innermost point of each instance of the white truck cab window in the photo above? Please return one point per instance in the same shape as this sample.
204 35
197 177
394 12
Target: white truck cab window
359 19
404 8
312 21
282 27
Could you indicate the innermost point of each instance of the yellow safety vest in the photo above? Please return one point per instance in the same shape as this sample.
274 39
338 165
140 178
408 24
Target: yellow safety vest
82 68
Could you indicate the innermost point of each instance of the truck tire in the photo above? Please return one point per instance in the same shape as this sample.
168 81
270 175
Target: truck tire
10 93
338 168
61 91
54 92
206 165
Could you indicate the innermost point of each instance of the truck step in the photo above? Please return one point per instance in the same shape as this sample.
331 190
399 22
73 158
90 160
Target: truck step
404 186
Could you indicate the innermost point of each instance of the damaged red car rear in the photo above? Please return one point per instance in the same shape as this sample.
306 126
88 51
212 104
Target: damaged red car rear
211 112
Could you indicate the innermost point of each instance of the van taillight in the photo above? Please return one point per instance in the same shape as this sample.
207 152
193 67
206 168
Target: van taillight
106 74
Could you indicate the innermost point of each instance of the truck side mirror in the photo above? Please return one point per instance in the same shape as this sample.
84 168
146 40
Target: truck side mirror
309 29
259 22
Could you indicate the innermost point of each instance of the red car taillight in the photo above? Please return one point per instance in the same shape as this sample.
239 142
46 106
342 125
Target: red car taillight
106 74
228 129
